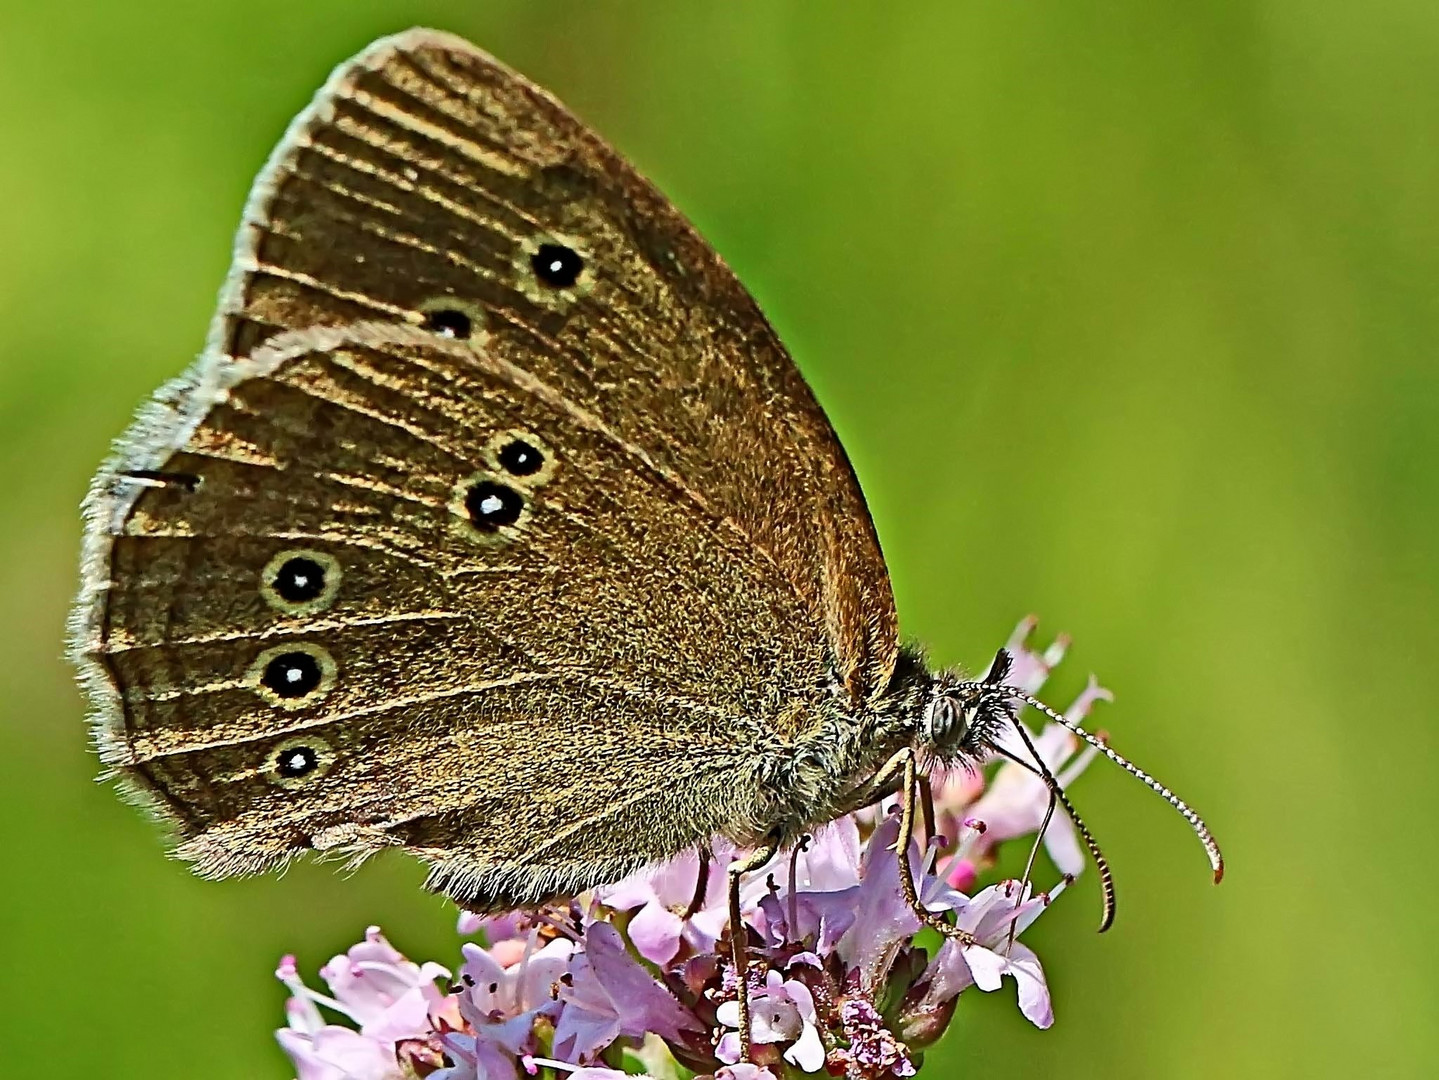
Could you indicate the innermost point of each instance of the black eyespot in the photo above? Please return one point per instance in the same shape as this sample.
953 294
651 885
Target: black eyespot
491 505
295 761
519 458
450 323
299 580
557 265
292 675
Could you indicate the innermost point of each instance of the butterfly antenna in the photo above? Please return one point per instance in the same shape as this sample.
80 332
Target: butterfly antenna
1029 868
1040 769
1201 830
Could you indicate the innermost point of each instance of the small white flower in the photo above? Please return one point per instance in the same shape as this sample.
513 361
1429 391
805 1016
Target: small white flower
781 1011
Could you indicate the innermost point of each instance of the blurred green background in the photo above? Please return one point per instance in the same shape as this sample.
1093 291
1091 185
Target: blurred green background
1127 314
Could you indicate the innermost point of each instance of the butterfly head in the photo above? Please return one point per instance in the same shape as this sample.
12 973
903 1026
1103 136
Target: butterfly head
964 717
963 724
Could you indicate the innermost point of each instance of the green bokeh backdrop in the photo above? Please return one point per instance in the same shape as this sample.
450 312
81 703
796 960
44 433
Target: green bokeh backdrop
1127 314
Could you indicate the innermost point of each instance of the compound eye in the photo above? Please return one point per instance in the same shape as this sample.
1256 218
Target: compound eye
948 722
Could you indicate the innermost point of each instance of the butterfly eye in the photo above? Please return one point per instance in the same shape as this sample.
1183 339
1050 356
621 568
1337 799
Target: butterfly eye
449 323
291 676
948 721
300 582
491 506
557 266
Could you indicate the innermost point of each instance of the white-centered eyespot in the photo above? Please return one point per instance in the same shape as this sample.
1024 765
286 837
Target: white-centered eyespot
553 271
455 319
489 508
300 581
293 675
521 456
299 760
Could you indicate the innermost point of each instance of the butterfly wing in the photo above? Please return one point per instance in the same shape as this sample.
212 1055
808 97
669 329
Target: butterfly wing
494 524
428 172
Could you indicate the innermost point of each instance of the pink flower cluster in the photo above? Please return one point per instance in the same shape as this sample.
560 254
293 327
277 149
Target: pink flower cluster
638 974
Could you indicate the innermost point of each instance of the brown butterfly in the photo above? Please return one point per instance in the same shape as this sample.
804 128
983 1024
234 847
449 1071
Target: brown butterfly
495 525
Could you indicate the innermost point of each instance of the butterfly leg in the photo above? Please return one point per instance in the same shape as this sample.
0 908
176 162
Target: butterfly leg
909 792
702 880
888 781
738 934
1029 866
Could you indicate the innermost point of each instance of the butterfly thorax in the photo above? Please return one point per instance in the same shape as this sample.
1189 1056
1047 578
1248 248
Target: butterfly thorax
833 767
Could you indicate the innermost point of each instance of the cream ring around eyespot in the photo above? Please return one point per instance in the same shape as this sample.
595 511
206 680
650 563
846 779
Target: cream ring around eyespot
548 461
550 296
263 678
291 754
471 497
330 575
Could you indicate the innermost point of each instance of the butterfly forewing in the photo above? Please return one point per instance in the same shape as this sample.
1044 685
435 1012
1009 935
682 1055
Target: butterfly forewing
493 487
426 171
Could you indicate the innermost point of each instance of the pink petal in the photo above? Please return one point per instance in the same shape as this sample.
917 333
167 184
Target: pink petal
480 968
656 930
985 966
643 1005
994 909
339 1053
745 1071
803 1000
514 1036
408 1017
303 1015
668 883
808 1052
948 975
961 874
539 973
634 891
493 1063
1030 668
1093 692
372 976
882 918
831 861
1062 843
1034 1000
726 1050
580 1033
